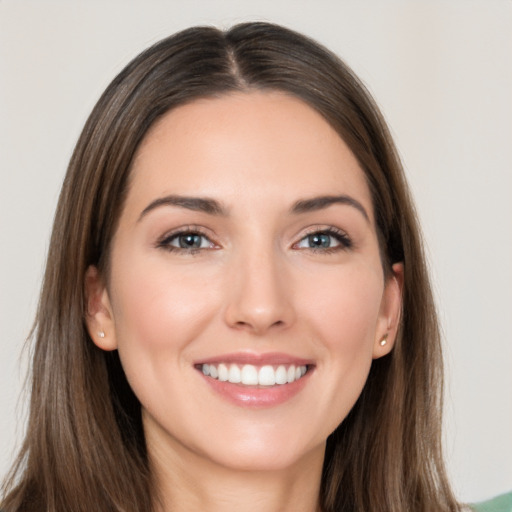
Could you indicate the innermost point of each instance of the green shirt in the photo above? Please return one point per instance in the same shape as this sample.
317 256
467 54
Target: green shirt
501 503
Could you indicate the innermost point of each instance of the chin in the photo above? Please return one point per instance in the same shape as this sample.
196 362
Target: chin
265 455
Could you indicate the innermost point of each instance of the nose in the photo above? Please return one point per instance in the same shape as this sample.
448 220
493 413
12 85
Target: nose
260 294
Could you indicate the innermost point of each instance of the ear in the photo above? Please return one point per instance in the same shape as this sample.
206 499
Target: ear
98 315
390 313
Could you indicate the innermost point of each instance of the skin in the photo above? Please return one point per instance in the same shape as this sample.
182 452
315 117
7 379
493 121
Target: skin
256 285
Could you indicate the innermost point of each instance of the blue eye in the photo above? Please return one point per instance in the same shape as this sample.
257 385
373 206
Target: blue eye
187 241
320 241
324 241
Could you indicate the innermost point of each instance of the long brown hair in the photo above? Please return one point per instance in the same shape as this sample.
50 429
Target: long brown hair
84 449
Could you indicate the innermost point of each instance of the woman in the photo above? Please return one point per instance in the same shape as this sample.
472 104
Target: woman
236 311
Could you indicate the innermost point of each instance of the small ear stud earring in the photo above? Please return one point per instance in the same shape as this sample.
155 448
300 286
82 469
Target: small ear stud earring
101 334
384 340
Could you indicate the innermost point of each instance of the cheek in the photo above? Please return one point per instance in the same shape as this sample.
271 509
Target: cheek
158 308
345 307
346 318
159 311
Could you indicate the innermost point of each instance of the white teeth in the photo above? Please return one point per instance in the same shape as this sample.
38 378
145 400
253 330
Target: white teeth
250 375
266 376
234 374
223 372
281 377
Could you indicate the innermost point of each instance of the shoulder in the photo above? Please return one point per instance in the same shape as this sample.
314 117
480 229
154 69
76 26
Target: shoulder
502 503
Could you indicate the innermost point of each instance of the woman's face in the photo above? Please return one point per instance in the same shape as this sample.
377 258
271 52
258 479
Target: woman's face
246 251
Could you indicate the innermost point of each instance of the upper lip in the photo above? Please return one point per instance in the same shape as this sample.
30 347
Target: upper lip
256 359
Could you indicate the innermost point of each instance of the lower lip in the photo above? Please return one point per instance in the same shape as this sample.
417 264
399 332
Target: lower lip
256 396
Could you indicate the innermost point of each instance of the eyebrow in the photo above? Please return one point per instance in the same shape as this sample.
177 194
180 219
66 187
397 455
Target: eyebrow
321 202
197 204
213 207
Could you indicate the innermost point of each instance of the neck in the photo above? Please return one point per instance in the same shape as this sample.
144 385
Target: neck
187 482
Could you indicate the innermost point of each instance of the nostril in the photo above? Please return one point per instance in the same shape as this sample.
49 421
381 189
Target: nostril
258 326
257 312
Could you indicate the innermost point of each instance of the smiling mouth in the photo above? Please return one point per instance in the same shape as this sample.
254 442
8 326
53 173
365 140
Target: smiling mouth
251 375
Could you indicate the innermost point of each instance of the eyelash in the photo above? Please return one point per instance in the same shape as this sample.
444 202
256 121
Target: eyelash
165 241
341 237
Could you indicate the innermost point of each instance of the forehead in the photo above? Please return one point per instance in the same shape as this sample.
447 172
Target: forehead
265 145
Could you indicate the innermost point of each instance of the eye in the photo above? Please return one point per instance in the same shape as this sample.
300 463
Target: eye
186 241
325 240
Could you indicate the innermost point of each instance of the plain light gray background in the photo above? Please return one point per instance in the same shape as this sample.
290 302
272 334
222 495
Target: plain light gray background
442 73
